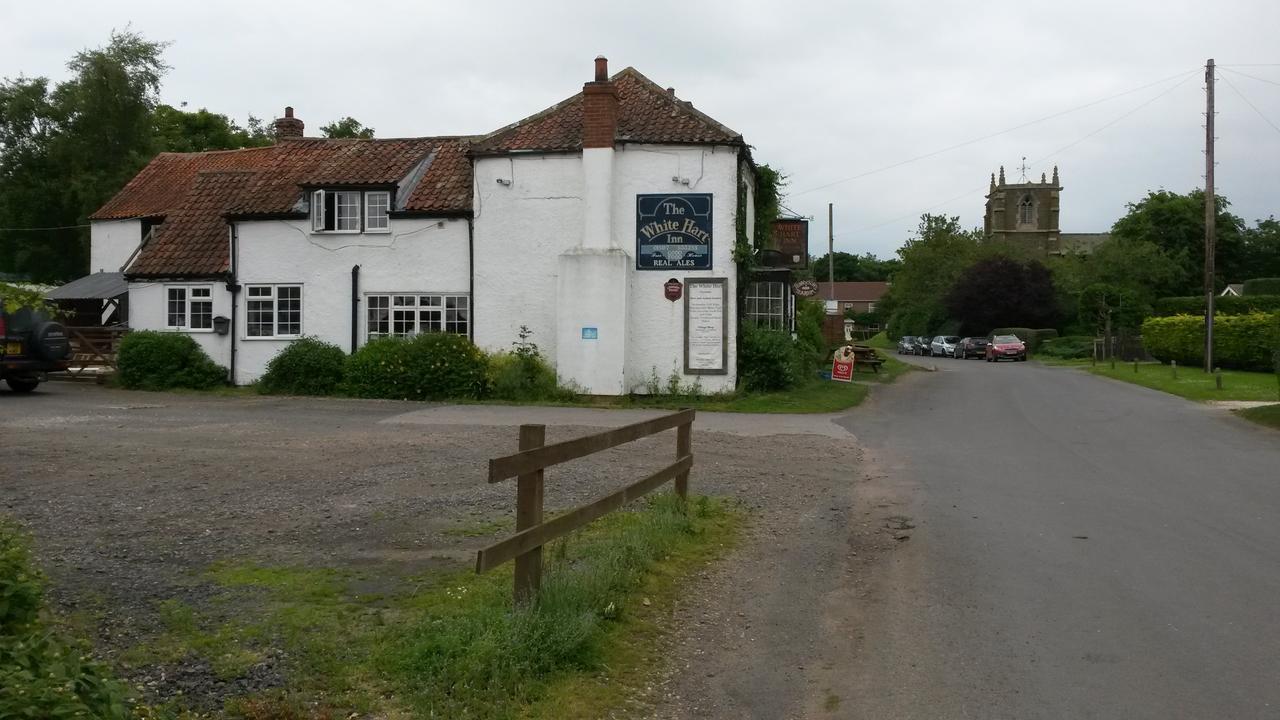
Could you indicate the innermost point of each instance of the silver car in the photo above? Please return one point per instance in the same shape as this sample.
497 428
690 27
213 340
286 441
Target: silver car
944 346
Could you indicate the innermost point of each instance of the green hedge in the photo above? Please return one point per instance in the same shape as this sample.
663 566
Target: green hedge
150 360
42 673
1070 347
1226 305
1261 286
1242 342
433 366
307 366
770 360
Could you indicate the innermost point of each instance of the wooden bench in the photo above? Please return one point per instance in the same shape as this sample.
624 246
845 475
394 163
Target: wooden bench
864 356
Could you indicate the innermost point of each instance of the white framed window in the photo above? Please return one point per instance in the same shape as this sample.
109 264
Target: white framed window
336 211
189 307
273 311
406 315
766 305
377 206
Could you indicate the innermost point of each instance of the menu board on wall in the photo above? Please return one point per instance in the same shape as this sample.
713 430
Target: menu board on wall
706 324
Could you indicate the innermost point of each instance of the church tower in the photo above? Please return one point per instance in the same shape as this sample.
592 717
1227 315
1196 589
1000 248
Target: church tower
1024 213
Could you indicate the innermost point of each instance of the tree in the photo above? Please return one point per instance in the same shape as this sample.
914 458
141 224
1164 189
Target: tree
1002 292
177 130
1261 251
931 262
347 127
855 268
1175 224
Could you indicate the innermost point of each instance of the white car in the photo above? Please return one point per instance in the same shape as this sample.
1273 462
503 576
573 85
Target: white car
944 346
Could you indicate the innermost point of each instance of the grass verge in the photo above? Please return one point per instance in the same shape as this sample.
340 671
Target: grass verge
1268 415
452 645
1195 384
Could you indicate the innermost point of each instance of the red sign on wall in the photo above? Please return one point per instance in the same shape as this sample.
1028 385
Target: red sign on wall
673 289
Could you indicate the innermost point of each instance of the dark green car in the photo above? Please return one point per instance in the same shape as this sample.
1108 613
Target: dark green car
31 344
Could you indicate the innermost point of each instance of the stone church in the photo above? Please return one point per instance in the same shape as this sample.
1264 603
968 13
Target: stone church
1026 213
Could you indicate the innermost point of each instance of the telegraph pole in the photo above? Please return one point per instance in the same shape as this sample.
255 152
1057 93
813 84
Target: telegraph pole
1210 218
831 252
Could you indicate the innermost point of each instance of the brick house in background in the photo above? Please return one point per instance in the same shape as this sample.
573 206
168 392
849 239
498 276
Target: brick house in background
854 297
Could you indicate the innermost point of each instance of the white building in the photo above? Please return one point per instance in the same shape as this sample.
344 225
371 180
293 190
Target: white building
573 222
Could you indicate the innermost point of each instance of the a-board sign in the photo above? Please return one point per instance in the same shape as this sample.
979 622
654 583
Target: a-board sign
842 364
706 323
673 232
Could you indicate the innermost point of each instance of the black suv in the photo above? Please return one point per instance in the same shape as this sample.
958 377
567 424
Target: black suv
30 345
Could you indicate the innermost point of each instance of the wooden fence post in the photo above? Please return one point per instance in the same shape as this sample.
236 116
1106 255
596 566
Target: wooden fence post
528 514
684 446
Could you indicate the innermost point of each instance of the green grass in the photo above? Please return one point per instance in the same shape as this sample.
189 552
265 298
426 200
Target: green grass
1268 415
1193 383
881 341
451 644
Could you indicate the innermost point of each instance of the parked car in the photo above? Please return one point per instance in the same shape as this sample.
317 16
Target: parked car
1006 347
943 346
922 345
907 345
971 347
30 345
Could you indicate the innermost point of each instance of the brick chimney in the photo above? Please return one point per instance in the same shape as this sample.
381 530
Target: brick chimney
599 109
289 126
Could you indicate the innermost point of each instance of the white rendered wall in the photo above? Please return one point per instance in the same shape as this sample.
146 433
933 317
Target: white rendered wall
656 325
148 310
521 230
111 242
419 255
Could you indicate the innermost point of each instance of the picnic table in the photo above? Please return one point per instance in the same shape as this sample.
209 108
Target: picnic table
865 356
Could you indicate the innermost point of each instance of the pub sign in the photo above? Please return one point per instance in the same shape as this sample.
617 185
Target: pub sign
673 232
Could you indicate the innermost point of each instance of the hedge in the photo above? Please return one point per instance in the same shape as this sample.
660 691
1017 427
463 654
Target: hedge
1242 342
770 360
307 366
1261 286
1225 305
432 366
150 360
1070 347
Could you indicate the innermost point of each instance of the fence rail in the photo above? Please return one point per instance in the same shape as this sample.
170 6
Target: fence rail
528 467
93 351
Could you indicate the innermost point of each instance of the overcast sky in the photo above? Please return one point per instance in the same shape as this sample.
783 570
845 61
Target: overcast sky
824 91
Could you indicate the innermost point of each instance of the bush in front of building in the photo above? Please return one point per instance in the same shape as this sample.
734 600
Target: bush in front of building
1261 286
1241 342
809 317
431 366
150 360
770 360
307 366
42 673
516 377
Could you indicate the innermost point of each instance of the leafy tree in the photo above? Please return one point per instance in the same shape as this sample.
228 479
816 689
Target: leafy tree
347 127
1261 251
178 130
855 268
1002 292
931 262
1175 224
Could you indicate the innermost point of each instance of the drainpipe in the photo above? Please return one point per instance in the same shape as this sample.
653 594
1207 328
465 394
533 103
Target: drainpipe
234 287
471 281
355 307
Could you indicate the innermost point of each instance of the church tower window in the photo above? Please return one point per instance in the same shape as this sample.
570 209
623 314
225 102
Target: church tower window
1026 210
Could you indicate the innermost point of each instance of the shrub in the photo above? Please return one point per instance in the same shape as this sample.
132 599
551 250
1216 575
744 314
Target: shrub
769 360
1261 286
513 377
42 674
1242 342
307 366
1070 347
150 360
1228 305
433 366
809 318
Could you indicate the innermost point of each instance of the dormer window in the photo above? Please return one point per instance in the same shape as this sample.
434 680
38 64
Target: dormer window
339 211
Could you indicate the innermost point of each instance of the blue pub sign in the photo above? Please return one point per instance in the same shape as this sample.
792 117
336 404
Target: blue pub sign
673 232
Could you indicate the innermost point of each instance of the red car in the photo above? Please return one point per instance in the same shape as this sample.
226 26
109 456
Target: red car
1006 347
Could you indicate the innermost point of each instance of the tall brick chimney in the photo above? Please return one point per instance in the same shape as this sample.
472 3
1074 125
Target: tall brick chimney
289 126
599 109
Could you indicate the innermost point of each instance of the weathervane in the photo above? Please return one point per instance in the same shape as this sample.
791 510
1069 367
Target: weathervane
1024 169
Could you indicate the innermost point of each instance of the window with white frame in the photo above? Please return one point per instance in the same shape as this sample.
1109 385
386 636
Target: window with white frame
766 305
406 315
377 205
350 211
273 311
189 307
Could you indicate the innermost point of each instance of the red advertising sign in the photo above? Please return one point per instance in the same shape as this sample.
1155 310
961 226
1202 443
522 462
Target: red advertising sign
842 365
673 289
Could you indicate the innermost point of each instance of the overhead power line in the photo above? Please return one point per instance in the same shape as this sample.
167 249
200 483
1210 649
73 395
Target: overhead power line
994 134
34 229
1251 77
1246 100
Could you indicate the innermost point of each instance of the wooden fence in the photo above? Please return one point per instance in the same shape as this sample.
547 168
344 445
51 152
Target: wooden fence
527 466
93 351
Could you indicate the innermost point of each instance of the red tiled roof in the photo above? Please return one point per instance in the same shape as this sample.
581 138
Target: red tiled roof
854 291
193 240
162 185
646 114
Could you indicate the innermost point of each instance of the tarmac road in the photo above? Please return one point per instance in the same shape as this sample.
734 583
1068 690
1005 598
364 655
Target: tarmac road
1084 548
